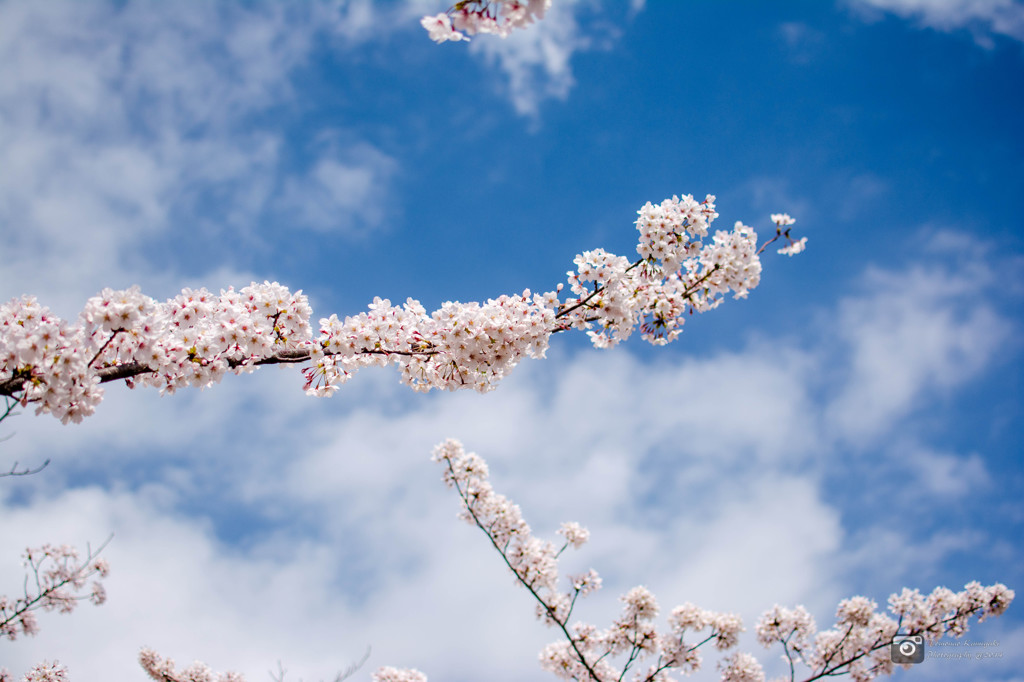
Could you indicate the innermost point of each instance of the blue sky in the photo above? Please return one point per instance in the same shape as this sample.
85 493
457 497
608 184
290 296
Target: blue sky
851 428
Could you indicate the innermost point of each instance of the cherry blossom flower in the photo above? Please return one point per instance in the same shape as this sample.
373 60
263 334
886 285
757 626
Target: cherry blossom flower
388 674
499 17
163 670
794 247
440 28
47 672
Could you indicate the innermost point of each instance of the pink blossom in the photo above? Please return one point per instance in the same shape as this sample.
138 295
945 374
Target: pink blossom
388 674
499 17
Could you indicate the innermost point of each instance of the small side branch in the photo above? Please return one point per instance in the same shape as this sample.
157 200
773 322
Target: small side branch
15 471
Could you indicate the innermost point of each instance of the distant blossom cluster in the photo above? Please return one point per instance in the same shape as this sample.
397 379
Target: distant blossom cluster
470 17
782 220
389 674
44 672
858 644
197 337
58 580
163 670
587 653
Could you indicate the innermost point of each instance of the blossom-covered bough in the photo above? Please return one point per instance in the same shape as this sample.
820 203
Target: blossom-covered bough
859 644
57 581
197 337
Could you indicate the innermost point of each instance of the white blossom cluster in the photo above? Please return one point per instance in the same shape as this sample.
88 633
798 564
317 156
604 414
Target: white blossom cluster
782 220
535 563
859 642
50 356
163 670
858 645
43 672
499 17
195 338
462 345
678 273
587 653
741 667
59 577
192 339
389 674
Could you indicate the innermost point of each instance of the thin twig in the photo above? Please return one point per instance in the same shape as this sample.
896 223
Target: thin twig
548 609
24 472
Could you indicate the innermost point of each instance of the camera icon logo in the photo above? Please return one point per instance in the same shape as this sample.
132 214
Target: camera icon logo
907 650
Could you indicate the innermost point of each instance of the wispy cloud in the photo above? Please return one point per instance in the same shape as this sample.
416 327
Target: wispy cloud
983 18
346 190
926 330
126 124
802 41
536 62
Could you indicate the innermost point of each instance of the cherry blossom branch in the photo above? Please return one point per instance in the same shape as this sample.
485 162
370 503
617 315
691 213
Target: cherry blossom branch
106 343
469 505
57 575
43 672
197 337
567 309
9 405
163 670
794 246
861 645
585 654
23 472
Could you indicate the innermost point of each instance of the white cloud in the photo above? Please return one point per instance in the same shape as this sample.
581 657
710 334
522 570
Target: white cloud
122 125
801 40
947 474
537 60
345 191
982 17
175 588
925 330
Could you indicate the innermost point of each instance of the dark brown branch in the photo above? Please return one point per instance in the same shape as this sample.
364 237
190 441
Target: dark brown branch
104 346
11 387
778 233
